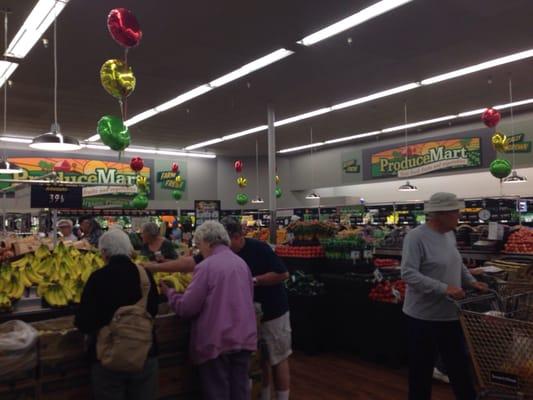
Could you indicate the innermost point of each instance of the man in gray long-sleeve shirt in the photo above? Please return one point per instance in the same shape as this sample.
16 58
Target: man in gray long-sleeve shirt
433 269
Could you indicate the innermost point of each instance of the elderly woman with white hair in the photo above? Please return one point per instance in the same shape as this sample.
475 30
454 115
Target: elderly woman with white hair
219 301
116 285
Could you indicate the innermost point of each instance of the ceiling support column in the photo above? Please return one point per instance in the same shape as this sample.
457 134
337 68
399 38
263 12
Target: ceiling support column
272 173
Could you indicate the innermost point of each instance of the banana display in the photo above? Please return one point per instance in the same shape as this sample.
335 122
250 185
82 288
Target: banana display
59 275
176 280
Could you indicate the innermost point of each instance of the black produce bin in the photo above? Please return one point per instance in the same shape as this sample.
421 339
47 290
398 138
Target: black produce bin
307 322
307 265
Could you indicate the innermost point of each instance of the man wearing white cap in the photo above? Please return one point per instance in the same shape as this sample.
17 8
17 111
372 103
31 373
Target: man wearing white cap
433 269
65 228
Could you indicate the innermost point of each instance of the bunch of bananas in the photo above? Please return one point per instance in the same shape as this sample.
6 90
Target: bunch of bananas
60 275
176 280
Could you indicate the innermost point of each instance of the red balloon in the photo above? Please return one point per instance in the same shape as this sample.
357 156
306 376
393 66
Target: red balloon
491 117
175 168
238 166
62 166
136 164
124 27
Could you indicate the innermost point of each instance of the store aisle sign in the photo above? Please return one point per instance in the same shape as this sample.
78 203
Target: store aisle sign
517 144
426 157
95 172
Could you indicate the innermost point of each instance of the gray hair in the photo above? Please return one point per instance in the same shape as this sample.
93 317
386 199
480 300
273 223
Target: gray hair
115 242
151 229
213 233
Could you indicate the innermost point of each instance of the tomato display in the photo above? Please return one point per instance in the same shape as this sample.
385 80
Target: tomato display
384 292
520 241
300 251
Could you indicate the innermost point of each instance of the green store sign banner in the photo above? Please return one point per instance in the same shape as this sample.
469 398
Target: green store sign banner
517 144
426 157
167 180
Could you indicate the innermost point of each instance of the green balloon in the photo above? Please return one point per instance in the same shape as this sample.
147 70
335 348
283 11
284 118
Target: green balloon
140 201
177 194
113 132
278 192
500 168
241 199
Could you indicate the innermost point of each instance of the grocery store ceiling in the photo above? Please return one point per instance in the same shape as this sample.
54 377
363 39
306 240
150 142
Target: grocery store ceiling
186 44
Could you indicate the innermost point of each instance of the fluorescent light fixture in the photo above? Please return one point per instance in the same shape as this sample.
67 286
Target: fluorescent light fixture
251 67
204 144
6 70
312 196
182 98
15 140
307 146
375 96
358 18
93 138
40 18
479 67
169 152
353 137
407 187
514 104
141 117
300 117
515 178
96 146
420 123
258 200
479 111
246 132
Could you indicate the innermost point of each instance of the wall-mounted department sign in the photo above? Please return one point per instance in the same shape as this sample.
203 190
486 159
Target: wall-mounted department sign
167 180
517 142
351 167
98 172
426 157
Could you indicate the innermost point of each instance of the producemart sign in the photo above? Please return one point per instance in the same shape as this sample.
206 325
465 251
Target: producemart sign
426 157
97 172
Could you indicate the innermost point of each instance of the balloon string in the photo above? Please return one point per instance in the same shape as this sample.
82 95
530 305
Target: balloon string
126 57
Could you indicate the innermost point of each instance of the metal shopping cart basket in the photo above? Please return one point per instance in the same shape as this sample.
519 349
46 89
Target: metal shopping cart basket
499 333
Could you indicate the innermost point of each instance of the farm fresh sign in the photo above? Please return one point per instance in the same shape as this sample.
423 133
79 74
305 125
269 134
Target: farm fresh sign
423 158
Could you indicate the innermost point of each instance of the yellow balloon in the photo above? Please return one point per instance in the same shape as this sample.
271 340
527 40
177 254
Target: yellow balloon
277 179
142 181
242 181
117 78
178 179
499 141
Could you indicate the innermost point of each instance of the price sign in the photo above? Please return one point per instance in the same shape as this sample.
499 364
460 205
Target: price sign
51 196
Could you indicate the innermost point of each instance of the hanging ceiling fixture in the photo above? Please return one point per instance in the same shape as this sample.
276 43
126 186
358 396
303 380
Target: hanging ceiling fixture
312 195
258 199
514 177
407 187
54 140
5 166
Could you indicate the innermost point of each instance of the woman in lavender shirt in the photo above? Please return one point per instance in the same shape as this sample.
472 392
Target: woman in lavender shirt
219 301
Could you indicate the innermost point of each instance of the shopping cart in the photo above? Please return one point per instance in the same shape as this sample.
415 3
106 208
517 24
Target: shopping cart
498 327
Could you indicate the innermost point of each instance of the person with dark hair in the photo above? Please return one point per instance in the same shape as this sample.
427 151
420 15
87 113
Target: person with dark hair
91 229
269 274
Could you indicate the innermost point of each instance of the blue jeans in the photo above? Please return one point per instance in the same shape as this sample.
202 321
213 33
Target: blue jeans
112 385
426 340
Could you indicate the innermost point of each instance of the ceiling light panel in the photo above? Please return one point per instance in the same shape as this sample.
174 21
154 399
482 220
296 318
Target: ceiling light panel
307 146
6 70
358 18
37 22
15 140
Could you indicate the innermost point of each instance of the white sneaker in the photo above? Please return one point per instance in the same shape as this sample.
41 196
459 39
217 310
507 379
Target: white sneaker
440 376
